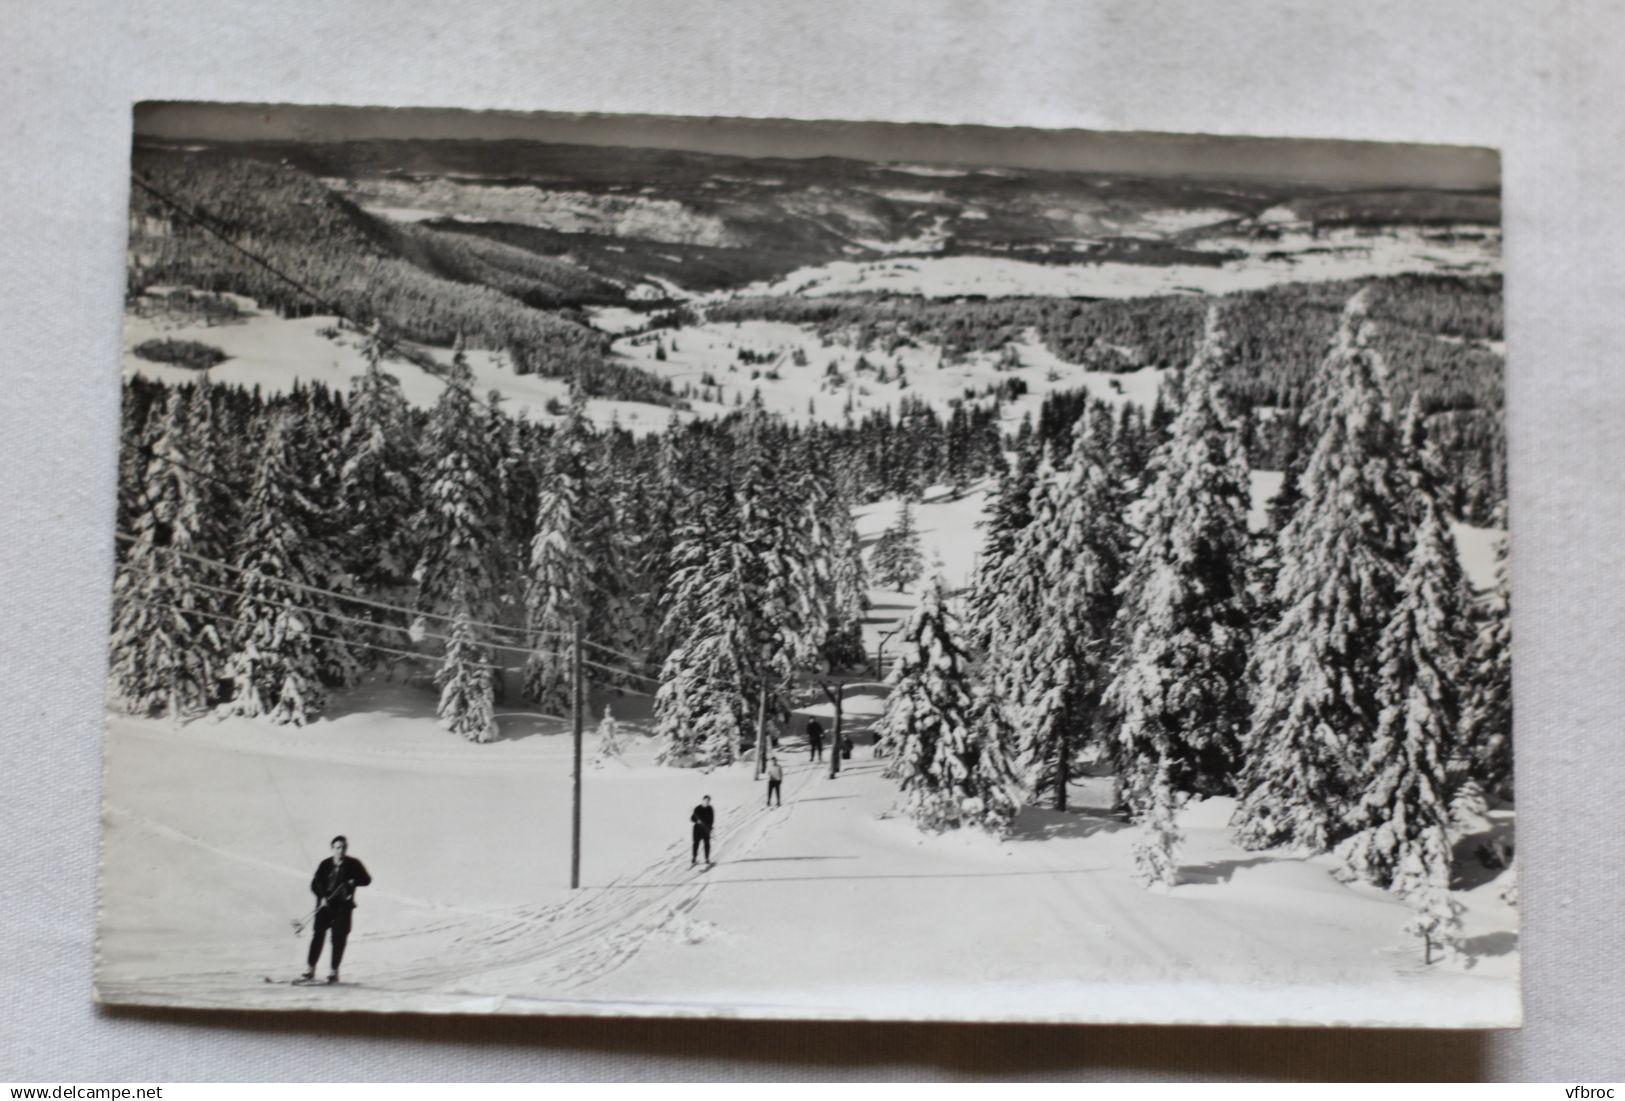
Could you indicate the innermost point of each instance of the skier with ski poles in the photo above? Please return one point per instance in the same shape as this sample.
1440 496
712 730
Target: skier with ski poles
703 818
334 885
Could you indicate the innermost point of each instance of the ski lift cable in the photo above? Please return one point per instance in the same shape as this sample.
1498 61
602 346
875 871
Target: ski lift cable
221 617
412 613
308 634
427 657
621 672
324 614
614 670
618 653
362 600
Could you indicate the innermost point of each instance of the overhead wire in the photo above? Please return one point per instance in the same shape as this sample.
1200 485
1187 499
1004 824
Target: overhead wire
358 644
610 669
222 617
618 653
325 614
400 609
619 672
411 613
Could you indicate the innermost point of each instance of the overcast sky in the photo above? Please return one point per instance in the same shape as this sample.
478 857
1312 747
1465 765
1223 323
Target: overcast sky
1337 163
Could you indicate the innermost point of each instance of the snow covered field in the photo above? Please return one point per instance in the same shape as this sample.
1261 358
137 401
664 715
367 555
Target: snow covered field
822 908
273 352
707 355
1299 256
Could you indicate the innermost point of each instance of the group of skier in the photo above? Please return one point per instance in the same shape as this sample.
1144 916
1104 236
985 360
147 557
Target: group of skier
339 875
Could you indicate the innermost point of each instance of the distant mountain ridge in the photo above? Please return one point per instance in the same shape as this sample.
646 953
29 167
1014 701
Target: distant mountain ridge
607 209
517 247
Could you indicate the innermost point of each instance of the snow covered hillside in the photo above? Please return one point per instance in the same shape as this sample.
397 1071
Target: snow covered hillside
803 377
1301 256
812 910
272 353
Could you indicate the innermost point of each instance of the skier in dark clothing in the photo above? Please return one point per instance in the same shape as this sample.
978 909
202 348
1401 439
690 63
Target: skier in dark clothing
703 818
815 740
334 886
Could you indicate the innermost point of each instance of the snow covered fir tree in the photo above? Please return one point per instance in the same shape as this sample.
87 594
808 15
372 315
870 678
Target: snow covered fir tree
561 575
1185 629
1316 673
378 480
283 650
1110 608
1049 600
611 745
897 559
455 574
946 742
169 603
1401 826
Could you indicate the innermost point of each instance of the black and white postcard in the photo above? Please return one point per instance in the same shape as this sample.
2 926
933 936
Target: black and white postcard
703 567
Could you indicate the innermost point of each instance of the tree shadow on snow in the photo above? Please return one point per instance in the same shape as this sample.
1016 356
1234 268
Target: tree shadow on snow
1479 857
369 700
1220 871
859 768
1502 943
1039 824
517 726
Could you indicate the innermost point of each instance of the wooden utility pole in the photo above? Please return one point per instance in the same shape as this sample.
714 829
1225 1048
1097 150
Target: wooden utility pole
834 695
1061 777
880 651
576 706
761 728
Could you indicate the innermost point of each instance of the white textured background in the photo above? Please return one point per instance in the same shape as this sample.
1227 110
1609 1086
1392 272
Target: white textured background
1541 79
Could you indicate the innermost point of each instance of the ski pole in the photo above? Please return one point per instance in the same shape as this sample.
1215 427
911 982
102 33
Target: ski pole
299 926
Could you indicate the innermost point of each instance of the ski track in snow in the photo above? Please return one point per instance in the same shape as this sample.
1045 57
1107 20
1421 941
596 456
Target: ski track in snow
570 945
557 949
170 833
